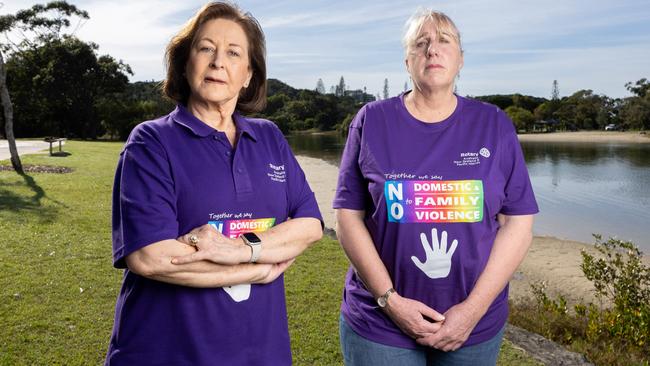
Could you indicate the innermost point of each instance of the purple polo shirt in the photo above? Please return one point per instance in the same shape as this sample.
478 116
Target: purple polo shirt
174 174
431 194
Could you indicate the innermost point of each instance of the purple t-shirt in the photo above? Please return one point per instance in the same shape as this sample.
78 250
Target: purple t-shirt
431 194
174 174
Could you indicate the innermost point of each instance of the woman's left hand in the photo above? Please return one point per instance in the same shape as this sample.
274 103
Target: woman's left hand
213 246
459 322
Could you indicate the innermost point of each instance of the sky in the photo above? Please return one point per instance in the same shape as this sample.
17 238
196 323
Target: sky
511 46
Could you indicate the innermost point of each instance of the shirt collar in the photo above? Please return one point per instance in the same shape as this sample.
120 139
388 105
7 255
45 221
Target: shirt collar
186 119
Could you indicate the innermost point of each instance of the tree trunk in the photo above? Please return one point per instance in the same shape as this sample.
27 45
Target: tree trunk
9 118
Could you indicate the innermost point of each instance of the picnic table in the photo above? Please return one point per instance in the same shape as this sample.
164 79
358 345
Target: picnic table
52 140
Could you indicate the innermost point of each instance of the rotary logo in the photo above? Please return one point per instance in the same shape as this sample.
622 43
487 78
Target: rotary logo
484 152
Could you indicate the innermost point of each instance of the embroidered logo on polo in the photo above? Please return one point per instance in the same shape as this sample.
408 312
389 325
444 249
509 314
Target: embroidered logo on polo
232 229
470 158
424 201
277 173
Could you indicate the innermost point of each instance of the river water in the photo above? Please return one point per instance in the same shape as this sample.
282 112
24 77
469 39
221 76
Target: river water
581 189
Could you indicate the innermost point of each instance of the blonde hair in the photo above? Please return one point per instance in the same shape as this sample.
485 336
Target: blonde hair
442 23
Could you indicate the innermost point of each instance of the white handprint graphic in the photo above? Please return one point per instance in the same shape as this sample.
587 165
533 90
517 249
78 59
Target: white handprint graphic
437 263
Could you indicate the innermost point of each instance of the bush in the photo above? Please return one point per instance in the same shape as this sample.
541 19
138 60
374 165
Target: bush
614 332
621 277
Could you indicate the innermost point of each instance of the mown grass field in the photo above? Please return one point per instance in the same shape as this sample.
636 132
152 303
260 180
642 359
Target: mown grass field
58 287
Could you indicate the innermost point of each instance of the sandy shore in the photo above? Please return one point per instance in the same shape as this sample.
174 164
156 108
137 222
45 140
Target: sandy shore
588 136
552 260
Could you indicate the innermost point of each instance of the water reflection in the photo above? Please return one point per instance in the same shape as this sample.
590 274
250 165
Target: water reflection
326 146
591 188
581 188
587 153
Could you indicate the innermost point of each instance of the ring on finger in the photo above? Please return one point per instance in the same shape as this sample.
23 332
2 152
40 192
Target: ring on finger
194 240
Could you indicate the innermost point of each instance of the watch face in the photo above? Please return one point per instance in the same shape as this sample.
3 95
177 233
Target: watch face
252 238
381 301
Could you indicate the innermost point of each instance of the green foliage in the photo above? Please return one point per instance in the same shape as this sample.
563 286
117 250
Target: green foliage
586 110
504 101
345 125
140 101
620 276
56 87
522 118
275 86
300 109
583 109
546 111
635 111
640 88
35 20
618 334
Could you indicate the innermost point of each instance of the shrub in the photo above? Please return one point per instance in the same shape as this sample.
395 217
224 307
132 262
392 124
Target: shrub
621 277
614 332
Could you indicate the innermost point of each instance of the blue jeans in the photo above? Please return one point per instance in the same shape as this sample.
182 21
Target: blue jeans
359 351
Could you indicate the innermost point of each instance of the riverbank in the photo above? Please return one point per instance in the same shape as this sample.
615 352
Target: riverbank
551 260
588 136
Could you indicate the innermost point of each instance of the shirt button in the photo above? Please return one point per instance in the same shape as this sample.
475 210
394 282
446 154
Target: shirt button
216 137
240 170
227 153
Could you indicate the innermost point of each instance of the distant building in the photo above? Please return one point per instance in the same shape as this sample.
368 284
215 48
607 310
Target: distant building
546 125
359 96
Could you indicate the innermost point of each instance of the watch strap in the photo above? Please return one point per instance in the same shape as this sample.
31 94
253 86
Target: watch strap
382 301
256 250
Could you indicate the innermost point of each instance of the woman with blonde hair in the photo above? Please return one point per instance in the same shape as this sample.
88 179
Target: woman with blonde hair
434 211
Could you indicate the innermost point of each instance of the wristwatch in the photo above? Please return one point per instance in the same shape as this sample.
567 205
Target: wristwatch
382 301
253 241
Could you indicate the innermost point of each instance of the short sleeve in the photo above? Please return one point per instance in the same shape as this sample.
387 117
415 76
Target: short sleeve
302 201
519 197
351 189
144 203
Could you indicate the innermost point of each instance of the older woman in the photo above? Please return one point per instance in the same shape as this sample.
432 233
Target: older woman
209 209
434 211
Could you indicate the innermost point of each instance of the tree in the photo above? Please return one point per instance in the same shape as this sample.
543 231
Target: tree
59 87
320 86
385 89
8 118
635 111
275 102
340 88
543 112
640 88
586 110
522 118
299 109
140 101
34 20
526 101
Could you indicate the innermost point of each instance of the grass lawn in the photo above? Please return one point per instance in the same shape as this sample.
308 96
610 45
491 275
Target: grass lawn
58 287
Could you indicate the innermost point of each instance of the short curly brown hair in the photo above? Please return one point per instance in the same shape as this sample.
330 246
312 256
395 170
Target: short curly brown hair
175 87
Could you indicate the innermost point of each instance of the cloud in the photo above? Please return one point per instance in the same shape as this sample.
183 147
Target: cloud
511 45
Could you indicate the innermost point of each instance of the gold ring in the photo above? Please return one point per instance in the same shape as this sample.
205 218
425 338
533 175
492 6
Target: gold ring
194 240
